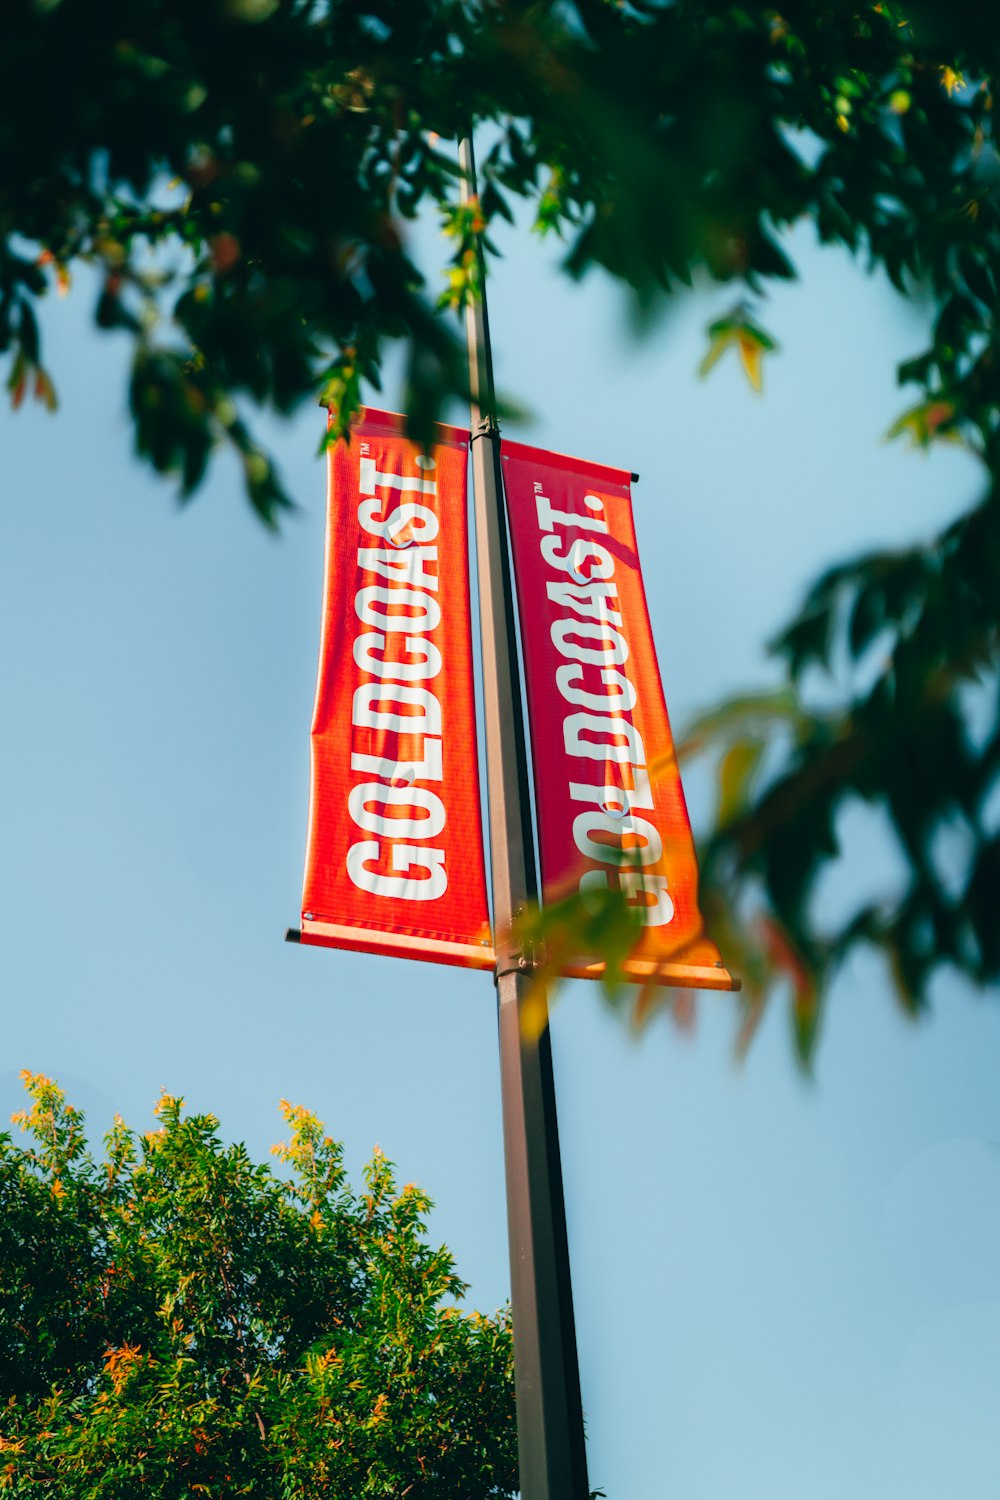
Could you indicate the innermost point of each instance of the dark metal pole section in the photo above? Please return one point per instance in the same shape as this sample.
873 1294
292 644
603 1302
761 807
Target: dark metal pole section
549 1414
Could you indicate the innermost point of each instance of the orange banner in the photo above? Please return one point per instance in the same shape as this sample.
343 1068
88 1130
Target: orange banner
607 788
394 862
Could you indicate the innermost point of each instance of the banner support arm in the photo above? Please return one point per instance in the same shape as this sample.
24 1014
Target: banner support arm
551 1450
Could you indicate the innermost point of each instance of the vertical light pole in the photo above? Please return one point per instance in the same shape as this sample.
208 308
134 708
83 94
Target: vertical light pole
549 1414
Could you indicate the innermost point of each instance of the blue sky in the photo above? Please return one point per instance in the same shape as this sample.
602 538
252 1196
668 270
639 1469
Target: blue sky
783 1287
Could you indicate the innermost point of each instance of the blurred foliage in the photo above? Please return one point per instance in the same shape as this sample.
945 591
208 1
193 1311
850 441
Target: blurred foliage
907 641
241 173
176 1321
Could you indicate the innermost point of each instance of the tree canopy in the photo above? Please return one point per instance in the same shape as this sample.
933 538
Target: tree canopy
177 1321
241 174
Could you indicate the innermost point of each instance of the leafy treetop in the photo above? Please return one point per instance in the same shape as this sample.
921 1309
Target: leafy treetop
177 1321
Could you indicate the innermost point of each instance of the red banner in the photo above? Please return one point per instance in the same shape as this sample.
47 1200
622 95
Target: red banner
394 862
607 787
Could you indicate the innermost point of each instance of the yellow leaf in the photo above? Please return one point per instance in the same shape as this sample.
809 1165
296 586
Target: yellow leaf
752 359
736 777
720 339
534 1012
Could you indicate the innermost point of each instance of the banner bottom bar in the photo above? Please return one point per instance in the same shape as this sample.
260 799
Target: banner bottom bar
393 945
674 975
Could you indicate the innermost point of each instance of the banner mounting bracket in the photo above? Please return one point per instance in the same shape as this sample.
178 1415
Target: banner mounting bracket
515 963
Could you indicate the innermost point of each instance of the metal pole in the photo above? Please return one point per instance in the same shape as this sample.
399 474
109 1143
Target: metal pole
550 1436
